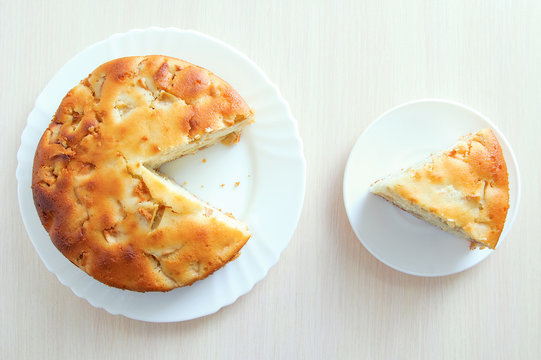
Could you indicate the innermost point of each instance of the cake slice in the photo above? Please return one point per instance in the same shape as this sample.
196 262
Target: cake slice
463 190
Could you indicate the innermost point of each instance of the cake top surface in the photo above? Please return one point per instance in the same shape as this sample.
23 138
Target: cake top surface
94 188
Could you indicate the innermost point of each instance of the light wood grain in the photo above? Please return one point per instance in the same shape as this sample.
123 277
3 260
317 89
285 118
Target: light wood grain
339 64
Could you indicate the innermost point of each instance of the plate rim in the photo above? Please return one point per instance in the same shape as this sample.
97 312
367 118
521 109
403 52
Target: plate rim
299 156
508 222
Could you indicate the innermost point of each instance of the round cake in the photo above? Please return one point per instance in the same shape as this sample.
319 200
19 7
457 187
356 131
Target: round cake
95 184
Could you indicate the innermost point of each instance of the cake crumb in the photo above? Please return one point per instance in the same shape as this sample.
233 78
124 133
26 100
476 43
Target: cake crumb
237 183
202 186
185 183
204 160
231 139
222 185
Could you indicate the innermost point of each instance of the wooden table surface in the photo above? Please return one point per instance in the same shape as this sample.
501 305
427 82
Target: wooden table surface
339 65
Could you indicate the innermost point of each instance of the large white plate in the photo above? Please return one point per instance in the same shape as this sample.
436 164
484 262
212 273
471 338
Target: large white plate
268 163
401 137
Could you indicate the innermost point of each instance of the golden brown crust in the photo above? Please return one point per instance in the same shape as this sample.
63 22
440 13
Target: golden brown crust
467 186
103 209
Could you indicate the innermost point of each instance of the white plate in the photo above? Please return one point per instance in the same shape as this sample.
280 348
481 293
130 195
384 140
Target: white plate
399 138
268 163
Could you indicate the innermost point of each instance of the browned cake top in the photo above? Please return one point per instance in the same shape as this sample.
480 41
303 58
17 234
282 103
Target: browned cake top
95 192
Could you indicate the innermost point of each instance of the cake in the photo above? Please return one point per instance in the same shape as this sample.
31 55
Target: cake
463 190
96 183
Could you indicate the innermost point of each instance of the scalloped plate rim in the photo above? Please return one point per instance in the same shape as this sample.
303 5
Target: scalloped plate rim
297 156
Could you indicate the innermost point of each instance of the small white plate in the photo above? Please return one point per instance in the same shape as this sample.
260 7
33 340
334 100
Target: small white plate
399 138
267 163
